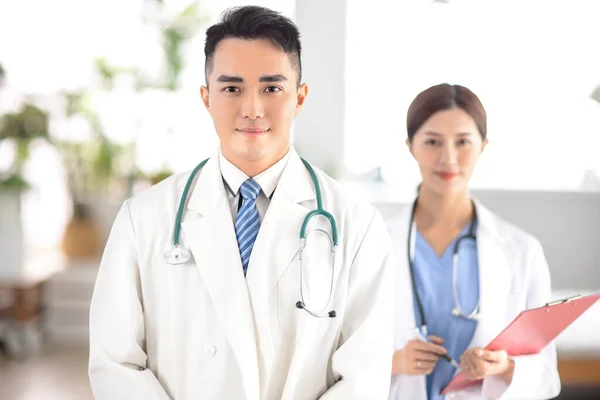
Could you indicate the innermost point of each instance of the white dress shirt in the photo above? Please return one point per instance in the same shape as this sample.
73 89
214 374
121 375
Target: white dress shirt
267 180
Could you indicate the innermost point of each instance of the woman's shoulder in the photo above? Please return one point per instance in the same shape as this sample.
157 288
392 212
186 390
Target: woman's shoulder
508 233
398 222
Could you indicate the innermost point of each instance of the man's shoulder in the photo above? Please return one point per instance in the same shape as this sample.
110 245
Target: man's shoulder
161 194
344 200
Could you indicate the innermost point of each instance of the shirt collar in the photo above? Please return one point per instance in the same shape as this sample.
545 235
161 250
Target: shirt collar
268 179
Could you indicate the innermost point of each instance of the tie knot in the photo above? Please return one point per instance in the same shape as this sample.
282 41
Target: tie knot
250 189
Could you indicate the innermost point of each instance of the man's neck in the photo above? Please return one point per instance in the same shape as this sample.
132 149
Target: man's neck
254 168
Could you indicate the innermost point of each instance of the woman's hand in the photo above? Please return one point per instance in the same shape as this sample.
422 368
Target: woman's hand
418 357
477 363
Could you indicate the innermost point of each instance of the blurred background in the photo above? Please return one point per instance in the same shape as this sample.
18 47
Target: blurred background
100 99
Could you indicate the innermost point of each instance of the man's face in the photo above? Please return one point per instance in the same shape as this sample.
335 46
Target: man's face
253 99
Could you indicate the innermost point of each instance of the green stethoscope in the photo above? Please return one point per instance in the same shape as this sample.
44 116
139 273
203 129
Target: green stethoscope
178 254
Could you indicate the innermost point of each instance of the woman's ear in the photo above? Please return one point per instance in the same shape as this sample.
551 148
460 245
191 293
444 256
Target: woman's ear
410 146
485 142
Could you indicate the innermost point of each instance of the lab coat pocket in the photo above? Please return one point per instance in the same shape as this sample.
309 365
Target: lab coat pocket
308 278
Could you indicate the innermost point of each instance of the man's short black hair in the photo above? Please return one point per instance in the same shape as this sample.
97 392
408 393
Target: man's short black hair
252 23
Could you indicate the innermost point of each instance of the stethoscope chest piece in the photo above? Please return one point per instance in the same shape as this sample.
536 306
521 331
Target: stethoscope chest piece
177 255
474 316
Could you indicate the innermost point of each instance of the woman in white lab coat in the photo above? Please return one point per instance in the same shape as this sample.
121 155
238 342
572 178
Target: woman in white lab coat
462 273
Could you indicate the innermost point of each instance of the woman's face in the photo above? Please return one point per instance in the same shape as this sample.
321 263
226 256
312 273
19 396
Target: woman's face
447 146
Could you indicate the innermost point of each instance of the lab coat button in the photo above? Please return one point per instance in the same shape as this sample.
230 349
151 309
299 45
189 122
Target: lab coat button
210 350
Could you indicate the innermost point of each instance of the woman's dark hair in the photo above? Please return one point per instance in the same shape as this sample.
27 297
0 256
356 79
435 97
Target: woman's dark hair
252 23
444 97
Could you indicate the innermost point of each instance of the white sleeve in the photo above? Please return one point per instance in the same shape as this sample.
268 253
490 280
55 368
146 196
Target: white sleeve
535 376
117 364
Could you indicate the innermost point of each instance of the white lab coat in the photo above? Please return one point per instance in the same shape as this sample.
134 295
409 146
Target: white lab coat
203 331
513 276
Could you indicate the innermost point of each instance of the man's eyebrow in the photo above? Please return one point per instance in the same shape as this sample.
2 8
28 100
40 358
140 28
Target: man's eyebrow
273 78
228 78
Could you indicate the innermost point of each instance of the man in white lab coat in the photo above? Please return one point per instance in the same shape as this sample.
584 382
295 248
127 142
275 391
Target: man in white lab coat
225 324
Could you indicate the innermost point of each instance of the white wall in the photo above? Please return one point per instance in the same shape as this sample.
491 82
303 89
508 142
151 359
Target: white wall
319 129
533 64
346 117
566 223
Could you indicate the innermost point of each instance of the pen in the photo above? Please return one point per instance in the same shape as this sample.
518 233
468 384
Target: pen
444 356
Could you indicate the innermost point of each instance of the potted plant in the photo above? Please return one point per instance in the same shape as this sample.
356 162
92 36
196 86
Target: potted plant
21 128
91 172
17 130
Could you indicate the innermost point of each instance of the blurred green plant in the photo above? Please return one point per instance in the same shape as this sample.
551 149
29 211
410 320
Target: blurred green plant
175 32
91 164
2 75
108 72
596 94
98 158
21 128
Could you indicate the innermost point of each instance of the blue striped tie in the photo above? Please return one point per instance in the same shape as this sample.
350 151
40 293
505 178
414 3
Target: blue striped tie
247 222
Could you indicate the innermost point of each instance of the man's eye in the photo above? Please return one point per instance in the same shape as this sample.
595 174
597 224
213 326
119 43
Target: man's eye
272 89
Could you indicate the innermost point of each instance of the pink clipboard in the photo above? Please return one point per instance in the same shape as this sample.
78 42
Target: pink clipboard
531 331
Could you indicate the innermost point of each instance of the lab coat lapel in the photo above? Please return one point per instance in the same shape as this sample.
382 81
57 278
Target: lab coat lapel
279 236
211 238
410 386
276 245
494 278
405 317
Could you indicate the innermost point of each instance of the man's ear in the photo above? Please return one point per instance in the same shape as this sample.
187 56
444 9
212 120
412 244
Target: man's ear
302 93
204 96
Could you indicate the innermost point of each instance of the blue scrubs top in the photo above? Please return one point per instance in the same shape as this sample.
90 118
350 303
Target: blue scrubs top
433 277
